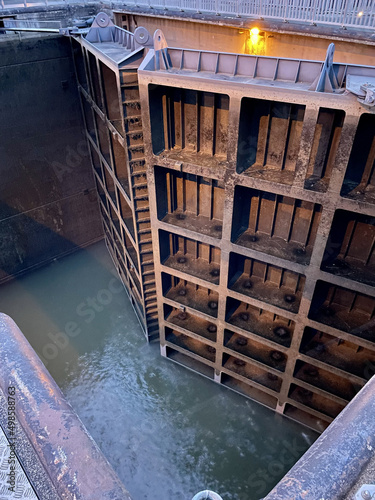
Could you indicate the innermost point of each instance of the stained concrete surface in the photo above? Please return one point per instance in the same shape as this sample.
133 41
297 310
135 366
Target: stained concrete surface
46 178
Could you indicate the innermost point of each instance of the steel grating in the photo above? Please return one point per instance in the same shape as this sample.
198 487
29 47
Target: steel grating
23 489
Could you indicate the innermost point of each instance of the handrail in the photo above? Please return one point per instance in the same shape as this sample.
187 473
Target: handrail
350 13
71 458
345 13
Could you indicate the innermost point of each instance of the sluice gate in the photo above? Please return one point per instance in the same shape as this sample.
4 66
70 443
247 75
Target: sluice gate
237 197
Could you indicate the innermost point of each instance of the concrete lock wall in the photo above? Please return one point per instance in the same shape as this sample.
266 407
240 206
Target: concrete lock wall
45 173
234 36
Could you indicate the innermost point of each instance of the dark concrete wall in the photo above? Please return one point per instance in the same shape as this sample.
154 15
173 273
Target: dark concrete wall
48 203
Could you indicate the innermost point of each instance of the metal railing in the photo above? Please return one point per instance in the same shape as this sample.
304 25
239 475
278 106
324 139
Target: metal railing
20 4
348 13
356 13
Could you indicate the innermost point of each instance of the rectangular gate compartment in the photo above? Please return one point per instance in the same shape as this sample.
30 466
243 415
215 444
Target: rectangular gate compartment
330 382
350 247
275 224
306 418
193 345
189 362
190 201
324 148
255 350
247 390
120 164
190 322
265 282
269 139
189 294
111 97
359 182
251 371
260 322
189 125
190 256
127 213
80 64
94 81
344 309
103 135
315 401
334 351
89 119
96 163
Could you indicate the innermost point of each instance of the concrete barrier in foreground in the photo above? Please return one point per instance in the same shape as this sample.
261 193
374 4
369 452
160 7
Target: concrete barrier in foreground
71 458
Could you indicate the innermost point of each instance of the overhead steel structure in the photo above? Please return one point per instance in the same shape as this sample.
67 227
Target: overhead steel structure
260 196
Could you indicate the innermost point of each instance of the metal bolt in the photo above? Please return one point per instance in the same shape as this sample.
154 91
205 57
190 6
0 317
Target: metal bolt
289 298
281 332
244 316
247 284
277 355
366 495
241 341
366 492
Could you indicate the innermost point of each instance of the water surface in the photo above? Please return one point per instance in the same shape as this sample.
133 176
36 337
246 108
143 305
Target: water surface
167 431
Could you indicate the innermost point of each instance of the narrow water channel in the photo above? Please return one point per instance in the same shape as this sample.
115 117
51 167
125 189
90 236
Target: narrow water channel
167 432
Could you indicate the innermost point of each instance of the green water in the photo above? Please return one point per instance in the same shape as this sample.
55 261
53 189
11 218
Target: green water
167 432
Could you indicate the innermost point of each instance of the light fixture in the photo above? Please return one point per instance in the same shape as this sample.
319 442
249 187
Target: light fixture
360 14
254 31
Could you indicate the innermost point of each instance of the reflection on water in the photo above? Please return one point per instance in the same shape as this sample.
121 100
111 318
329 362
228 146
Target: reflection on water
168 432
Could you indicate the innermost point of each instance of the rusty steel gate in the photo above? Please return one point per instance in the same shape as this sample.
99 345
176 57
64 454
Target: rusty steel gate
238 201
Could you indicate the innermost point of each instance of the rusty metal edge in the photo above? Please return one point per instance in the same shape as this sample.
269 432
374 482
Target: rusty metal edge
333 463
72 459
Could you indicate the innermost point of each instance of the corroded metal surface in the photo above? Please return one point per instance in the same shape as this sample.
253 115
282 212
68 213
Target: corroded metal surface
333 463
260 197
74 462
115 139
261 192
